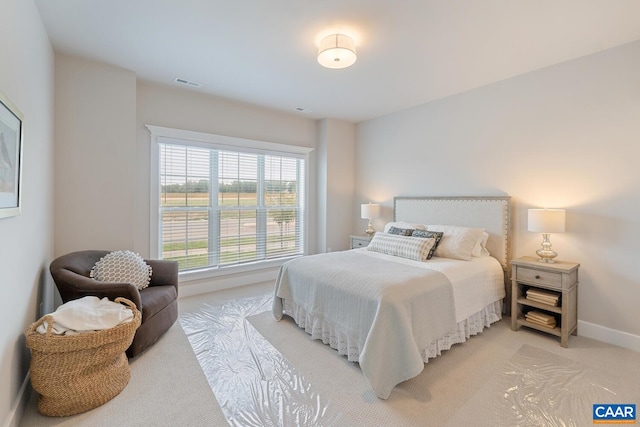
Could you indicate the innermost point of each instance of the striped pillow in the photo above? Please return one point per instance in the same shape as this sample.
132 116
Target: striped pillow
435 235
415 248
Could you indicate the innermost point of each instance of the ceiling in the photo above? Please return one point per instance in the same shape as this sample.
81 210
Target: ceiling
264 51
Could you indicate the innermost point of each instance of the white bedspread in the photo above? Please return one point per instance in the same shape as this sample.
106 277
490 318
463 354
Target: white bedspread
476 283
392 310
392 307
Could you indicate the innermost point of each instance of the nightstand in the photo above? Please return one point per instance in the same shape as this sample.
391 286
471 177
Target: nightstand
535 287
360 241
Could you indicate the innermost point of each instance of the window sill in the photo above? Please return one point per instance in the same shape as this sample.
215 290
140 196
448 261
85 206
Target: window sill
220 272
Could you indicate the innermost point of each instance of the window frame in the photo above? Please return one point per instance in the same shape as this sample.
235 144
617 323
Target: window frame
220 142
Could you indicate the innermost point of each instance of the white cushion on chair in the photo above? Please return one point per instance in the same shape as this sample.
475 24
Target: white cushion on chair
122 267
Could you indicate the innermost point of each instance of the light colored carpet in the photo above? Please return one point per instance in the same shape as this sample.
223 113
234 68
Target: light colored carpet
467 385
167 388
426 400
538 388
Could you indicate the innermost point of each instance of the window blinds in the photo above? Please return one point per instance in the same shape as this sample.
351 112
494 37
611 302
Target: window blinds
221 207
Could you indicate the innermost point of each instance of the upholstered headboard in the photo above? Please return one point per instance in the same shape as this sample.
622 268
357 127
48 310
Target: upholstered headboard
491 213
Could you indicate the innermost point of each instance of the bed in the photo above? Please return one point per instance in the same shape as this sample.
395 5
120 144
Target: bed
387 308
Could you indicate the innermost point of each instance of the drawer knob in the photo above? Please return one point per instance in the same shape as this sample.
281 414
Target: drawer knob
537 276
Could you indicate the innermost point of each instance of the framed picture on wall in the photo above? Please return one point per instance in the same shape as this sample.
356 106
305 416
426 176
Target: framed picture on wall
10 158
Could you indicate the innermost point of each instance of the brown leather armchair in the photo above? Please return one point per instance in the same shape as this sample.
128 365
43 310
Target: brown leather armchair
158 303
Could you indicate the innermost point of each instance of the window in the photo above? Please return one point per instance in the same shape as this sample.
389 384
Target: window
222 205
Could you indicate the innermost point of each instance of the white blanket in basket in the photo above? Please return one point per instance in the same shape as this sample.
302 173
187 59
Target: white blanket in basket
87 314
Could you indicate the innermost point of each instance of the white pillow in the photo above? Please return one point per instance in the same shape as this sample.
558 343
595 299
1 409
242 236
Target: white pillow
416 248
402 224
457 242
122 267
480 248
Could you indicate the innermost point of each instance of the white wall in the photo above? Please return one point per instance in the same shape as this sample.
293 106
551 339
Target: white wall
565 136
336 184
95 155
26 78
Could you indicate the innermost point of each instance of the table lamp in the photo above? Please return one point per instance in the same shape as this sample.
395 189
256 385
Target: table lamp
369 211
546 221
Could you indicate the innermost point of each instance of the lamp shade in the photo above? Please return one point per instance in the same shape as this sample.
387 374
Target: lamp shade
337 51
369 210
546 220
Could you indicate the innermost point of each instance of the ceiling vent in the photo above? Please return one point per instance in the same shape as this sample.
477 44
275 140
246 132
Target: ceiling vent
186 82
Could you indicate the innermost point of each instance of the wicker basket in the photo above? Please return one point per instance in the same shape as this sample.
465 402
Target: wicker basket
76 373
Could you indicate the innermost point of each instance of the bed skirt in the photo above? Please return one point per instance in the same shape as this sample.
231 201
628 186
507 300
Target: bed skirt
323 330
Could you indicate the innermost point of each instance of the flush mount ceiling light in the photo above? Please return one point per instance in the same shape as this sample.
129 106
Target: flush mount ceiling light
337 51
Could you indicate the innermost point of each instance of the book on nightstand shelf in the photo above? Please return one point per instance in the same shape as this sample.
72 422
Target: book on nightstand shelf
544 297
541 319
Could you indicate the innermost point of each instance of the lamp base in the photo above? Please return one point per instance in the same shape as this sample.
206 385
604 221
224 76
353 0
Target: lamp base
370 231
546 256
545 253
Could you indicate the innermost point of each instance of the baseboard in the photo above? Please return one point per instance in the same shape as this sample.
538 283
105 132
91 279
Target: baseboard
227 282
610 336
15 414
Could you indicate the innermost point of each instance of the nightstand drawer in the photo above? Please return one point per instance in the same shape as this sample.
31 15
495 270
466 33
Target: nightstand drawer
544 278
359 242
